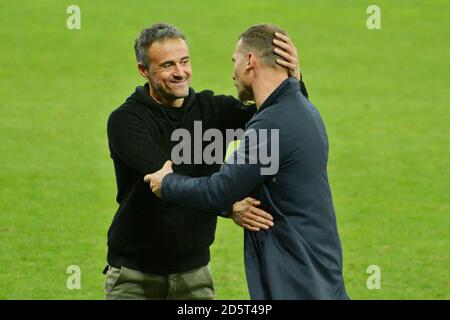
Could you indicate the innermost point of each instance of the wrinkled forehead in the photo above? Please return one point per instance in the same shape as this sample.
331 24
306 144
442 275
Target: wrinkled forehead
168 50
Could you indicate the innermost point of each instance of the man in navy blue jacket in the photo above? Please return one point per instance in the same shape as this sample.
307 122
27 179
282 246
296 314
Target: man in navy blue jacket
300 257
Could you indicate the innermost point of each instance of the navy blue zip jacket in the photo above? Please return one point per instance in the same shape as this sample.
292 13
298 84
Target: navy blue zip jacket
300 257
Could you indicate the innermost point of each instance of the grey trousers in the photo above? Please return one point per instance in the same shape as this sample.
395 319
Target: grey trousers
125 284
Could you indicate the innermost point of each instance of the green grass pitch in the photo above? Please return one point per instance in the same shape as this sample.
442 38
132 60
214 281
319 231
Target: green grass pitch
382 93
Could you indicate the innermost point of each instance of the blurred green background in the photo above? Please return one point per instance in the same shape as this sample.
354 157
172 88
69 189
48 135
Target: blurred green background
383 95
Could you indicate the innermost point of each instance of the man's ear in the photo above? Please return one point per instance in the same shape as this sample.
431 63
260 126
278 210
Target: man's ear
251 61
143 71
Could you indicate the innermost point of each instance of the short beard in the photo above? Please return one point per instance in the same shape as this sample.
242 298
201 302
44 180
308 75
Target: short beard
245 95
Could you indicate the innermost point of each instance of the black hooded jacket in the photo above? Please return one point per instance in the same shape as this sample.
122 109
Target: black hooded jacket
147 234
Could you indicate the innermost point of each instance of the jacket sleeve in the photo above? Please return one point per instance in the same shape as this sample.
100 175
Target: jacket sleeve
131 143
237 177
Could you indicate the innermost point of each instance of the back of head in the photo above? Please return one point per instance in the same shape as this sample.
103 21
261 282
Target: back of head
154 33
259 40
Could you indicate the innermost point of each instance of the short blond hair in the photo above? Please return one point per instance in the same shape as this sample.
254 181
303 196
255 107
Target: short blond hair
258 39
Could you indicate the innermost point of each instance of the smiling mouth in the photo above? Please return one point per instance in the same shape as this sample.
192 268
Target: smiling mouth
178 82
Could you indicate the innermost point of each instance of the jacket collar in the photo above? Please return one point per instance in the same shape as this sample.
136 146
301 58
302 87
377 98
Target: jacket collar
288 86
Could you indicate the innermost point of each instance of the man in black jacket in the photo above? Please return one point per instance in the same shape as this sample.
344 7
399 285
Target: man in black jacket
300 256
158 250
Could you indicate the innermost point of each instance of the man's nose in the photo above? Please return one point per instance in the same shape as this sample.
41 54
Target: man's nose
177 75
179 71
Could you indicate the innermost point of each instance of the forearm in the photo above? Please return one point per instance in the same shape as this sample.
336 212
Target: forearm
130 143
204 193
